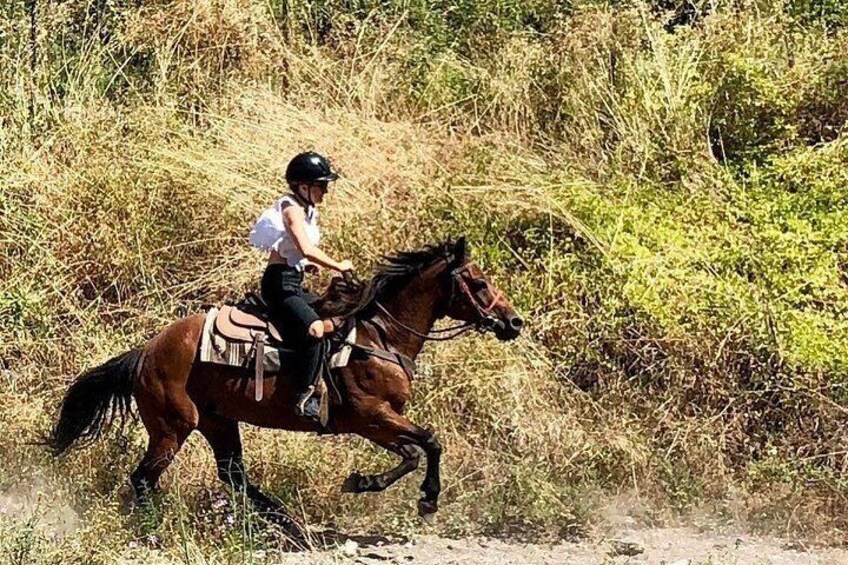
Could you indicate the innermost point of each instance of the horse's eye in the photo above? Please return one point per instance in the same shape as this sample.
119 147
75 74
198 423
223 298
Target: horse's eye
478 285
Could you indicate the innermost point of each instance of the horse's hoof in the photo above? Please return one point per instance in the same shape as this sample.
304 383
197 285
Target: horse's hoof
291 529
427 510
351 483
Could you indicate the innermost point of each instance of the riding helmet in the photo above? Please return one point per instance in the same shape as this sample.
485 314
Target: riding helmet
309 167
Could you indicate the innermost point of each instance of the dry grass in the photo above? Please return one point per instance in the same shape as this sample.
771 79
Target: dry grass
686 344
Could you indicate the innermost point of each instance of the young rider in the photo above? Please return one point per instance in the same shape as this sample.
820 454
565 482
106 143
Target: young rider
289 231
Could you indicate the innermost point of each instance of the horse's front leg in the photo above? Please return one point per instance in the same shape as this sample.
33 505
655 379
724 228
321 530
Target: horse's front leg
432 486
393 431
357 483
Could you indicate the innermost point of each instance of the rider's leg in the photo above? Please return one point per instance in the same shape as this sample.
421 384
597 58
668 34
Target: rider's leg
307 333
301 326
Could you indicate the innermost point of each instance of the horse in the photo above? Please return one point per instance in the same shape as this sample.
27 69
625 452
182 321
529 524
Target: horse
394 313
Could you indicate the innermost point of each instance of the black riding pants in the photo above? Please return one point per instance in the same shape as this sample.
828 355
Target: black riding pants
290 305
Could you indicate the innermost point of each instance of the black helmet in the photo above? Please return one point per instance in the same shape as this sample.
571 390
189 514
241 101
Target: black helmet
309 167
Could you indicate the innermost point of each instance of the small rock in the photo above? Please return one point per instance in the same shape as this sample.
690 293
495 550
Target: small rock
681 562
350 548
794 546
375 556
627 548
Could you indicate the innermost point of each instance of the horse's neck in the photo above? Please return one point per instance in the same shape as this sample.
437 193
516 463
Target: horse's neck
415 308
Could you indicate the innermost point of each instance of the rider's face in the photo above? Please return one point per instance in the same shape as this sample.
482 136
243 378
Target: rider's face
315 191
319 190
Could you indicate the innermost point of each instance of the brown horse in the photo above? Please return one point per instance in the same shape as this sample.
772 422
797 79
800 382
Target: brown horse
177 394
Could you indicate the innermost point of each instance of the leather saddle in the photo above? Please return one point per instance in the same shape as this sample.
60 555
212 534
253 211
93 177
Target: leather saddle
247 326
240 325
250 317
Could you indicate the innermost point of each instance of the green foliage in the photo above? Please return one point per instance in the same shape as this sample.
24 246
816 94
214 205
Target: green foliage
753 110
828 13
19 546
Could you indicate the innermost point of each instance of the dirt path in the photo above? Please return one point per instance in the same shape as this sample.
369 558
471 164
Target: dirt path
672 546
624 543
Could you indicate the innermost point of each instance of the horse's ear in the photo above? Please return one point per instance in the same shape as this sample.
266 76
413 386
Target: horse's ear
460 251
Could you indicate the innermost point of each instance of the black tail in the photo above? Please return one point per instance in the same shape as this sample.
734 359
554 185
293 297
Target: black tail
94 400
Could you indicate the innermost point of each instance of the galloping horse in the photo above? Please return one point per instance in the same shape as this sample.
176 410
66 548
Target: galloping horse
177 394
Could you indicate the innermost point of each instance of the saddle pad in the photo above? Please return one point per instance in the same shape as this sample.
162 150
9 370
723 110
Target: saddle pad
218 349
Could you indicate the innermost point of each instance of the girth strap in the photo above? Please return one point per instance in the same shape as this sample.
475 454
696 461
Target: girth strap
387 354
407 364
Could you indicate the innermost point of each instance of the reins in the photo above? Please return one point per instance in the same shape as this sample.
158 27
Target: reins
459 329
482 324
432 335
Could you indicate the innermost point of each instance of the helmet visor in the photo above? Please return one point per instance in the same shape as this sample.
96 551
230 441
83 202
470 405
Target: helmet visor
327 178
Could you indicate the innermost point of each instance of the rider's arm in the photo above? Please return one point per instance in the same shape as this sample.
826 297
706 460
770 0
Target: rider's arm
294 219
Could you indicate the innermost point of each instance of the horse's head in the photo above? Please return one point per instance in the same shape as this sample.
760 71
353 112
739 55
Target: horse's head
473 298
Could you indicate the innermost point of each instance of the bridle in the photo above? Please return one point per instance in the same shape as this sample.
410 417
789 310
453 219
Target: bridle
485 321
475 298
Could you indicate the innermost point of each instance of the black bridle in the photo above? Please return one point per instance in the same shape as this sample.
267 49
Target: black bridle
485 321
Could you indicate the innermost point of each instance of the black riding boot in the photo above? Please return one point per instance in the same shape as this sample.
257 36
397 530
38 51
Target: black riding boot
308 373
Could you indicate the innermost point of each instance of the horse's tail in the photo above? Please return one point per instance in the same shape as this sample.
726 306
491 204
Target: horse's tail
96 398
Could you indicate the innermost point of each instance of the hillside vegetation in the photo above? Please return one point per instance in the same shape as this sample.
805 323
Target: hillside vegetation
660 187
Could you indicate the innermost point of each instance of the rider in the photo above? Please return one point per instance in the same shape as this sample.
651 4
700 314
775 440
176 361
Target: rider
289 231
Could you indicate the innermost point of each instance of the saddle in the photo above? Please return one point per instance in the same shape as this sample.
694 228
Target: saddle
242 334
239 325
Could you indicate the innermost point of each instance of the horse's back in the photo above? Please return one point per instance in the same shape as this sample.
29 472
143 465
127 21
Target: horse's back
177 343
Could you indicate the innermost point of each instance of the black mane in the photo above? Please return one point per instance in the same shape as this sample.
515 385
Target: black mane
392 274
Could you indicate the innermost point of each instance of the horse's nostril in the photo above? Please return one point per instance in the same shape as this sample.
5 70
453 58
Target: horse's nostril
517 322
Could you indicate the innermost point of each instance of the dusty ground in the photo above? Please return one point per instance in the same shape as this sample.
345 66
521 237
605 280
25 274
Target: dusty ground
669 546
622 542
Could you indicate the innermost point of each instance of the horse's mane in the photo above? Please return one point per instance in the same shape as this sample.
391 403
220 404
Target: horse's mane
346 298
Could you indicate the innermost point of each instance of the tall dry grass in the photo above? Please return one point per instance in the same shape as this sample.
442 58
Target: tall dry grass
667 209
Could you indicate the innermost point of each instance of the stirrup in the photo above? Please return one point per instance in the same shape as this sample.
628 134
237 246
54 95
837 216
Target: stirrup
307 405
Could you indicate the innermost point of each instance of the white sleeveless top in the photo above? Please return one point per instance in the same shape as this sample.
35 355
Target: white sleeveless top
269 232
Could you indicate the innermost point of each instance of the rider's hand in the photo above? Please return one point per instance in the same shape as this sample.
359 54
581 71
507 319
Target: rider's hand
316 329
344 266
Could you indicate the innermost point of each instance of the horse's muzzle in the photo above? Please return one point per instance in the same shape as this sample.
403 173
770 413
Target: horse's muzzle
503 330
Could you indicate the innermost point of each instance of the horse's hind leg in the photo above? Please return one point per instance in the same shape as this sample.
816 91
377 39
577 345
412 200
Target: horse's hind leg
357 483
164 443
224 438
168 422
166 410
